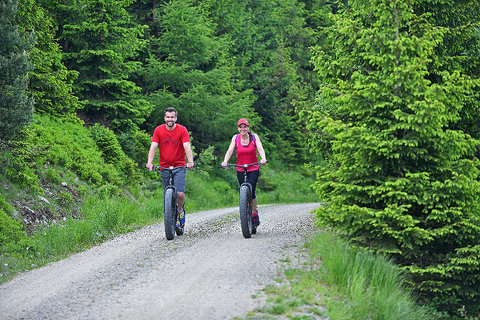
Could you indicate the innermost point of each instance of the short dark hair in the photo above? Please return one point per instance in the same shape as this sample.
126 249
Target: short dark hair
171 109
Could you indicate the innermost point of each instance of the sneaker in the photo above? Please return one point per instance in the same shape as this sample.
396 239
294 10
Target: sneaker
255 219
181 218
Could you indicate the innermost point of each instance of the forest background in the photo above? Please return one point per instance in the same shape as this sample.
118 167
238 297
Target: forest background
378 100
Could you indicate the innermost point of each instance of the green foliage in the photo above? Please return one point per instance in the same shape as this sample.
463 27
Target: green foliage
70 145
459 50
280 183
265 180
136 146
19 171
191 73
270 57
50 81
112 152
370 286
402 182
104 53
52 176
207 158
16 106
107 143
104 217
13 240
5 206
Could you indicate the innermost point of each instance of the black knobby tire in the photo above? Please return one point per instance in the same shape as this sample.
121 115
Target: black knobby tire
170 214
245 211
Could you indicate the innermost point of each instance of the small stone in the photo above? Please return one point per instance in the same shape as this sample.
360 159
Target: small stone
44 199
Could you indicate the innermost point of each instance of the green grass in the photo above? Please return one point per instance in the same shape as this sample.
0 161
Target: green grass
102 219
341 283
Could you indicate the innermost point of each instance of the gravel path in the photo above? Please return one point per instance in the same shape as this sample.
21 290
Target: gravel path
211 272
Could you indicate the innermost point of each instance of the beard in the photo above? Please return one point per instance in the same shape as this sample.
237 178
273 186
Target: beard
170 124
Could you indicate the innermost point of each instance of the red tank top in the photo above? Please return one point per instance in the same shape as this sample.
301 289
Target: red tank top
246 154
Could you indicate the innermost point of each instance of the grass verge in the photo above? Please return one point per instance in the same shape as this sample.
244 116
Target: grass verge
341 283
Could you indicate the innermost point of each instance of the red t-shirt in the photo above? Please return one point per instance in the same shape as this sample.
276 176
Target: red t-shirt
170 144
246 154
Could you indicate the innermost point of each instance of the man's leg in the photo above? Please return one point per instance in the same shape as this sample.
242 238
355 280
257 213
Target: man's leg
180 200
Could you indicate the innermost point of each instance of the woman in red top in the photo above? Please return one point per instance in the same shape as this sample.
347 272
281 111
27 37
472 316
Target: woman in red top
247 144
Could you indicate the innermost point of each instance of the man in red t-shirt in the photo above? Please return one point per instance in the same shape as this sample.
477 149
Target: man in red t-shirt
173 143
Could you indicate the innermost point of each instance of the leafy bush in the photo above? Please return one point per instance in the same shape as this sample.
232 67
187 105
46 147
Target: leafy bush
207 158
19 171
5 206
70 145
107 143
136 146
52 175
12 238
266 180
112 152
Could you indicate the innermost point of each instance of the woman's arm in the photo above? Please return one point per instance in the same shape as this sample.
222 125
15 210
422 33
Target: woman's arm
260 149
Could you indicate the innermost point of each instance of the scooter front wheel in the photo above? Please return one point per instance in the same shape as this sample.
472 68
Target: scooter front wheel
170 214
245 211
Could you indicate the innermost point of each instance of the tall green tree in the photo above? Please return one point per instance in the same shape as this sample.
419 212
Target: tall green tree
459 50
404 183
101 43
16 106
267 42
190 70
50 82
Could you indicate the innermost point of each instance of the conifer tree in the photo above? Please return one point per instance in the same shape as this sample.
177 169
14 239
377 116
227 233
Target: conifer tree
50 81
103 42
189 69
459 50
268 43
16 106
403 183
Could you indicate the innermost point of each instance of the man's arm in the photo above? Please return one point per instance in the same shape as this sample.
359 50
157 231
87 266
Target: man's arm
151 155
189 153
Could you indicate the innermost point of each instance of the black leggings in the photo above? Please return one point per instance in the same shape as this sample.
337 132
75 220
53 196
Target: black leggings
252 177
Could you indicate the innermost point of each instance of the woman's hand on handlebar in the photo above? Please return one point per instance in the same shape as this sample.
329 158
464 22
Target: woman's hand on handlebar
224 164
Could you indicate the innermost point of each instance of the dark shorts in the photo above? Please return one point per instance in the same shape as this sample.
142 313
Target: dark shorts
252 178
179 178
